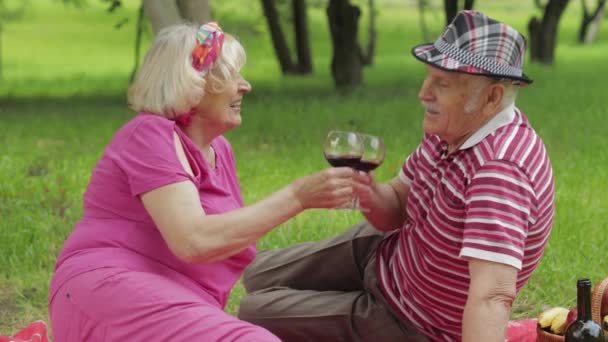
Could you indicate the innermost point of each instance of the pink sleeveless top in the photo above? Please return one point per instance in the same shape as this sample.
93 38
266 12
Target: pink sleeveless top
115 229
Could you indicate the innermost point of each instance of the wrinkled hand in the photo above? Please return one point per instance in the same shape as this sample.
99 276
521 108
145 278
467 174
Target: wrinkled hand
329 188
364 189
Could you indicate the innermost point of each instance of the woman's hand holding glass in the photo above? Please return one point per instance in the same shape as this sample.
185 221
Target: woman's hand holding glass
329 188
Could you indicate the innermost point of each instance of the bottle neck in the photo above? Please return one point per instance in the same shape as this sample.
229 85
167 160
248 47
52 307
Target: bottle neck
583 300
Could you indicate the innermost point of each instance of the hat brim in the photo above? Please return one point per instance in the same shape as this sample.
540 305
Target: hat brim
427 53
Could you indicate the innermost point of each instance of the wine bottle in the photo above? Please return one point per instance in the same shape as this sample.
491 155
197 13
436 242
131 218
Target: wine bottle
584 329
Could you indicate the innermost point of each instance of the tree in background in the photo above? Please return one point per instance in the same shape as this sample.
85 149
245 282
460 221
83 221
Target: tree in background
303 64
348 56
590 25
451 9
300 22
543 33
163 13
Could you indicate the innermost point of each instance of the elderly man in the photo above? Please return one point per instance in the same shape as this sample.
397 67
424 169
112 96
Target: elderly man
457 232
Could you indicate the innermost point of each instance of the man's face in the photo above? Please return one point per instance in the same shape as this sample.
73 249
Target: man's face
453 104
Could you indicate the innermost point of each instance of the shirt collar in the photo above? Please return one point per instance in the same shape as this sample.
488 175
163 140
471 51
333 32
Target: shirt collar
502 118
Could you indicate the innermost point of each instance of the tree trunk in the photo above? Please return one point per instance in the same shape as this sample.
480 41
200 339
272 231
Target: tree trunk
367 57
594 27
300 24
591 22
162 13
138 34
451 9
534 45
543 35
195 11
279 43
346 60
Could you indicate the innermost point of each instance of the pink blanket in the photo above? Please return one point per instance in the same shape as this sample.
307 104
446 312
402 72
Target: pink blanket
35 332
517 331
522 331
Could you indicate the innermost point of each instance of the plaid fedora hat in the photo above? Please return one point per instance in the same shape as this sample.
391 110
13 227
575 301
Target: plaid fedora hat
476 44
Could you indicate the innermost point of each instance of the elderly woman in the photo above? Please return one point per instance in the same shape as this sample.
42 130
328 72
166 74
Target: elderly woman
164 234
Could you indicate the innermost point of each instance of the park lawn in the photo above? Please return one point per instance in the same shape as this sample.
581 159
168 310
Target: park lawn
63 96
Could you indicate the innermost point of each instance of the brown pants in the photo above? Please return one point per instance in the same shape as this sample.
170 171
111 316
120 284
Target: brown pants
324 291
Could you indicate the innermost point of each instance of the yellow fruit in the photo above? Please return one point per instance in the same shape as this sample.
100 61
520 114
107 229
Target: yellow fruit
545 319
605 322
558 325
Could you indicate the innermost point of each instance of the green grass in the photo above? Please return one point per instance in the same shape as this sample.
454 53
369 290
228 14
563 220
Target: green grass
63 95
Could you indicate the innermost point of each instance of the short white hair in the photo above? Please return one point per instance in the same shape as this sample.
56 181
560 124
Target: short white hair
510 94
167 84
508 97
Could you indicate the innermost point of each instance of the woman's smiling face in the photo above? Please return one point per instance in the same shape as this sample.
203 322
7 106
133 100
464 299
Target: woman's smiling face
223 109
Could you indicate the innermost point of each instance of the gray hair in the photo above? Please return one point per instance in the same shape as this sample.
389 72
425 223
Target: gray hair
168 85
480 82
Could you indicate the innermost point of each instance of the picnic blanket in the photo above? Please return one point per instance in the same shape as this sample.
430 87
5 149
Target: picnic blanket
522 331
34 332
517 331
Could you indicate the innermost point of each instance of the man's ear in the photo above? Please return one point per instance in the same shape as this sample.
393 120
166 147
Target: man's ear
493 99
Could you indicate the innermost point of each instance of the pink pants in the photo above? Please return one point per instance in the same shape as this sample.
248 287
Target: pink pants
114 304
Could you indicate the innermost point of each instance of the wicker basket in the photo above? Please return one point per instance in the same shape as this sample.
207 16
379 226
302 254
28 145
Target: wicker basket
597 294
543 336
596 299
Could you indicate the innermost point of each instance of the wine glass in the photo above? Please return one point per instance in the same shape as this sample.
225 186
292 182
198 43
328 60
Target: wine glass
343 148
373 156
373 152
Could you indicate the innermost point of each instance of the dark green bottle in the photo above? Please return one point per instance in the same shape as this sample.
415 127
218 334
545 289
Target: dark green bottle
584 329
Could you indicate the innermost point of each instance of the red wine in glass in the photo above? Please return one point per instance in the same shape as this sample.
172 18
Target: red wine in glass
341 161
367 165
373 153
342 149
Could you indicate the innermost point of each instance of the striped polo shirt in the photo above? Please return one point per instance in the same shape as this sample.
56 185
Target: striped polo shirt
492 199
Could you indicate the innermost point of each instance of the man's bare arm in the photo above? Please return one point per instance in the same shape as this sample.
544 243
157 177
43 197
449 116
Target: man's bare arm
491 295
